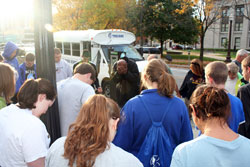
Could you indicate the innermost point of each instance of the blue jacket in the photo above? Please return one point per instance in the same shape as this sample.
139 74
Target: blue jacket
9 48
133 129
237 113
23 72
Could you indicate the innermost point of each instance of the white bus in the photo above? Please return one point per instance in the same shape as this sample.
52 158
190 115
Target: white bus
103 46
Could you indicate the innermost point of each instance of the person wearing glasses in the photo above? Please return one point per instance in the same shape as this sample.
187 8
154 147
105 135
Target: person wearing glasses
89 141
194 77
218 145
73 92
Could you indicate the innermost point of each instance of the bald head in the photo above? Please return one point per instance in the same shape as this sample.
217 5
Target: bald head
122 66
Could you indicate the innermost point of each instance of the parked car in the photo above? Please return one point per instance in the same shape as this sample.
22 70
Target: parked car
189 47
178 47
148 51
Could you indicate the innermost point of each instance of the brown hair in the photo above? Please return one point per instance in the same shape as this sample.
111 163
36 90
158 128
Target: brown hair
88 135
218 71
246 62
196 67
85 68
29 91
156 71
210 102
30 57
7 81
57 51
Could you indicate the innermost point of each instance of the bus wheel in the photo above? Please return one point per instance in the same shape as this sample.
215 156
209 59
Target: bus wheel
106 89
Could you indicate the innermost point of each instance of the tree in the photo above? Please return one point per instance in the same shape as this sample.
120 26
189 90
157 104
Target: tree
185 30
166 19
94 14
207 13
68 14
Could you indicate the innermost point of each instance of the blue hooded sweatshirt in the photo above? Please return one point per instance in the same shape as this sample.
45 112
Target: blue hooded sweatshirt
10 47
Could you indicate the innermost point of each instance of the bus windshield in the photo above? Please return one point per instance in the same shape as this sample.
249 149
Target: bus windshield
130 51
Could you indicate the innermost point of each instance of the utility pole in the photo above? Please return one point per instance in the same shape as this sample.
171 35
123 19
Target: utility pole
141 36
228 58
44 49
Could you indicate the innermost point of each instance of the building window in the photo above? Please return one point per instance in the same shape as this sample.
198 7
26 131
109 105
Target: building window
224 13
224 27
239 11
238 26
237 42
223 41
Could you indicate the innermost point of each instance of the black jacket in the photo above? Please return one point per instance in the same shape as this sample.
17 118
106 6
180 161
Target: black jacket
127 85
190 83
244 95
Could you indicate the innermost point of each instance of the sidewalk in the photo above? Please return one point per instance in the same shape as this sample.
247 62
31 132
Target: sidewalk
208 54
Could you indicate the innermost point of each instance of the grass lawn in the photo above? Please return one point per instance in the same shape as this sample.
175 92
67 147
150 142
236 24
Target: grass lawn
216 52
185 57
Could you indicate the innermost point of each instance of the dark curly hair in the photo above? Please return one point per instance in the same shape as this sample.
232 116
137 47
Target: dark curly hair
88 135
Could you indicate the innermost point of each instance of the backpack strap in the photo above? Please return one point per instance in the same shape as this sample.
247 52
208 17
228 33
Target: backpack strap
149 113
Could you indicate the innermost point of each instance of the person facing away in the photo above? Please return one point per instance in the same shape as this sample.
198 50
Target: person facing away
157 104
194 77
126 80
28 68
88 142
73 92
24 138
244 94
234 79
9 54
85 58
7 84
63 69
216 75
169 71
218 145
240 55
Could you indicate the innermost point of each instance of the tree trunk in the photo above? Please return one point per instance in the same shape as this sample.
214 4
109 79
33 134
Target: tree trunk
202 46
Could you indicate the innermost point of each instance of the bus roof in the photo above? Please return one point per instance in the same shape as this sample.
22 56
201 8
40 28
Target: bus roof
102 37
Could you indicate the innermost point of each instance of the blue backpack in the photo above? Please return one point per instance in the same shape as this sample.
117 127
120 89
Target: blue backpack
156 150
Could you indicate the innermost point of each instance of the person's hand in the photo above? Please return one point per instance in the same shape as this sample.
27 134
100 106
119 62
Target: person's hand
122 67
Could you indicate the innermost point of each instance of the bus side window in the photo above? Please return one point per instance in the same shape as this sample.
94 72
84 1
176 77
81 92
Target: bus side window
87 46
59 45
66 48
76 49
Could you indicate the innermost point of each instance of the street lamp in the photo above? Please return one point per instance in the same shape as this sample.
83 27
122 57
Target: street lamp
228 58
141 37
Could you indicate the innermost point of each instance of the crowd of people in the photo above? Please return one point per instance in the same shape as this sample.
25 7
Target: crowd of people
145 124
